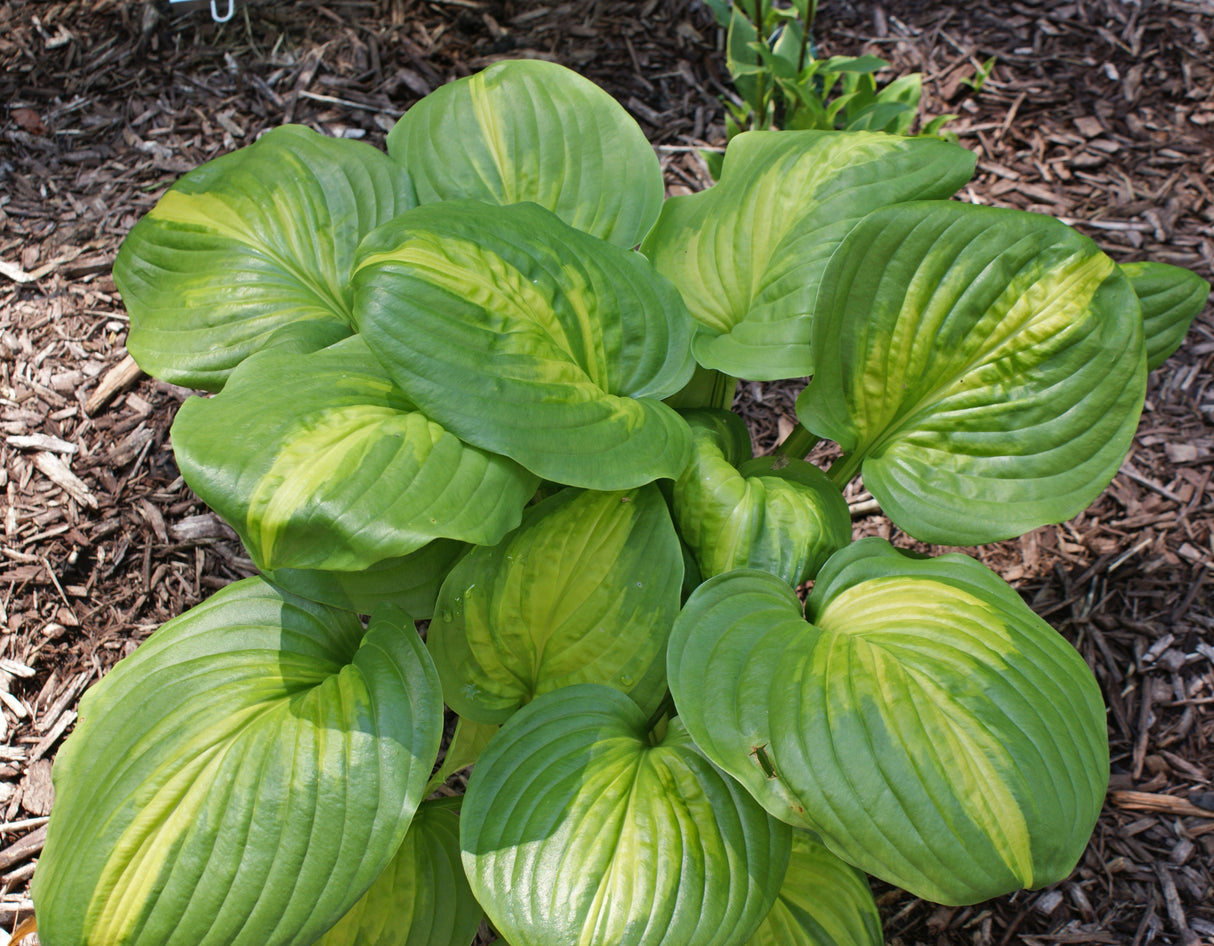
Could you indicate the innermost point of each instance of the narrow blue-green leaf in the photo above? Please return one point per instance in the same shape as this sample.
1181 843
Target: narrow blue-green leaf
772 513
923 721
823 902
531 339
241 779
984 365
575 829
1171 298
529 130
584 591
248 243
422 898
319 461
748 254
410 582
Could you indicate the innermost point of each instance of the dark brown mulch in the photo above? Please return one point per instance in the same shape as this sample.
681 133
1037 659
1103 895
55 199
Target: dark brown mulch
1098 111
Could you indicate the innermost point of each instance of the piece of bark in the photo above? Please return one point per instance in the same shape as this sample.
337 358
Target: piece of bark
114 382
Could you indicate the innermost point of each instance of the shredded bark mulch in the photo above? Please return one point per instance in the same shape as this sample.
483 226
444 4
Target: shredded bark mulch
1097 111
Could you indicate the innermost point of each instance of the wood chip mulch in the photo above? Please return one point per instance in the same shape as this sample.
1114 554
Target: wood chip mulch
1099 112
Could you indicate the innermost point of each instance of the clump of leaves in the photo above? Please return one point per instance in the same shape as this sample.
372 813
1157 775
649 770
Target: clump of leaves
448 388
771 57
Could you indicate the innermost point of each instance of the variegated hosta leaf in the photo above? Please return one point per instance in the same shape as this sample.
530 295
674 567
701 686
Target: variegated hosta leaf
777 514
584 591
410 582
250 242
422 898
1171 298
529 338
241 779
933 730
824 901
534 131
575 829
319 461
748 254
985 365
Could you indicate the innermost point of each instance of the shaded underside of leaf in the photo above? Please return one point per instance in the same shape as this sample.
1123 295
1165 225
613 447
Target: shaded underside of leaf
534 131
248 243
575 830
585 591
985 364
748 254
531 339
319 462
241 779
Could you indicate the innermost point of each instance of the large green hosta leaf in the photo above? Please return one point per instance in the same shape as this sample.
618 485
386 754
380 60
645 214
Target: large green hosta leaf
584 591
529 338
239 780
748 254
1171 298
248 243
986 366
932 729
823 902
534 131
422 898
779 515
319 461
577 830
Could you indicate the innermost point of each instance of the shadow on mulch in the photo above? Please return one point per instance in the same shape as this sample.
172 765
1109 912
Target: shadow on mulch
1098 112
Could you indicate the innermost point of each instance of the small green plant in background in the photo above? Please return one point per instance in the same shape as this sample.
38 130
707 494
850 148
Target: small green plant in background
449 388
771 57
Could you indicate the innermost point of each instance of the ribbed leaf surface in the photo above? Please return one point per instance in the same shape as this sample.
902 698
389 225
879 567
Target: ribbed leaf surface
577 832
239 780
985 364
422 898
585 591
779 515
250 242
748 254
319 461
932 729
1171 298
534 131
823 902
529 338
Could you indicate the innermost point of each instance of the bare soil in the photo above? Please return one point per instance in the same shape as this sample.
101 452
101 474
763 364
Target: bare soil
1098 111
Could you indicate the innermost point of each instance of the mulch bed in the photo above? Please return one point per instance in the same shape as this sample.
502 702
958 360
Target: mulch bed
1098 111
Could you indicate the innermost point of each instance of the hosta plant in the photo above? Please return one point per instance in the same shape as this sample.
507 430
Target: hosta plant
481 382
